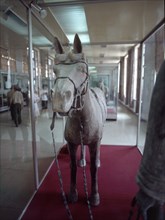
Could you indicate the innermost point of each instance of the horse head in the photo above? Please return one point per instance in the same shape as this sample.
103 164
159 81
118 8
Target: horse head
71 71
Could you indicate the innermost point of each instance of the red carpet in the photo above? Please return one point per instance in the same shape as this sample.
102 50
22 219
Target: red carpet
117 187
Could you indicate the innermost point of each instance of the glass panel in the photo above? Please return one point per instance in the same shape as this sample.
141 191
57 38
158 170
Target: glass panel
43 82
148 79
149 63
16 168
113 95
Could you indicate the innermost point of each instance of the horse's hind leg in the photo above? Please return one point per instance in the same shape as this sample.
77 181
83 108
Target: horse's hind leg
73 195
94 157
98 156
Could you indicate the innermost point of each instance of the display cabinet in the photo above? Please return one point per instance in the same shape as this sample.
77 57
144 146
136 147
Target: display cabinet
108 83
3 93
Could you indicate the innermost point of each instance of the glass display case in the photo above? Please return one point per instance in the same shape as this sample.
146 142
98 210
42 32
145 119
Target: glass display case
108 83
16 79
151 62
3 93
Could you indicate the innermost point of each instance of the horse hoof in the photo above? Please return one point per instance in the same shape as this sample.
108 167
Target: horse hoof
95 200
73 197
82 163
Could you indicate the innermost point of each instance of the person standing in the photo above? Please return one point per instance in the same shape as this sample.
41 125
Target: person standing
10 104
18 102
36 108
44 98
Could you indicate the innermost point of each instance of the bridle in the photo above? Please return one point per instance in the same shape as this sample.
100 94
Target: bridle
79 92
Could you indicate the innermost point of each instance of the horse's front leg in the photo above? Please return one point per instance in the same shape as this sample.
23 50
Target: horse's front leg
94 158
82 161
73 194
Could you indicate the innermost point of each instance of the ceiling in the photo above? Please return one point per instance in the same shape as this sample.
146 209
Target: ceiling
107 29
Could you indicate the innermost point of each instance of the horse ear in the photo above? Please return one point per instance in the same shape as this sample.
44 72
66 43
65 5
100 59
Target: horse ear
77 46
57 46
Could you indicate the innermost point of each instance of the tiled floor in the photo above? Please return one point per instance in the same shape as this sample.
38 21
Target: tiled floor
123 131
17 171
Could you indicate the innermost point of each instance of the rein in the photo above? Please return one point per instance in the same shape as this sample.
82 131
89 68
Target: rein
77 91
61 181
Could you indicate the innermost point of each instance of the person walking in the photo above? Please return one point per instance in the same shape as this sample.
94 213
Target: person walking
18 102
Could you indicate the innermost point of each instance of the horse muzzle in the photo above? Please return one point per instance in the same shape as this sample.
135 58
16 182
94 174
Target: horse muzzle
62 102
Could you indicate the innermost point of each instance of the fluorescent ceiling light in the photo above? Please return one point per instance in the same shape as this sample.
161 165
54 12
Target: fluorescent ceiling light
14 22
93 71
72 20
92 67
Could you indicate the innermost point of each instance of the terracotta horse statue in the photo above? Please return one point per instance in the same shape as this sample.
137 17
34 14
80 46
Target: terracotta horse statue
85 108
